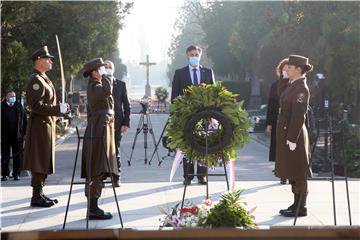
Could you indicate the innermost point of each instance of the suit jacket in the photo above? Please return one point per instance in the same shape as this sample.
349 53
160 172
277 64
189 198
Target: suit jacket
121 105
182 80
271 117
21 122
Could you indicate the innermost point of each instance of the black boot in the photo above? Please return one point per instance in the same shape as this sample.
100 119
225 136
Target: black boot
38 201
47 198
302 209
282 180
116 179
96 213
292 206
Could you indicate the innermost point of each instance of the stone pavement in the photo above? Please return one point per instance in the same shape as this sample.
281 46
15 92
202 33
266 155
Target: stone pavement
146 187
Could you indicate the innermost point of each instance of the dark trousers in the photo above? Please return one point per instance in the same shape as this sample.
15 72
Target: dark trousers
189 169
95 187
38 179
15 147
117 148
299 186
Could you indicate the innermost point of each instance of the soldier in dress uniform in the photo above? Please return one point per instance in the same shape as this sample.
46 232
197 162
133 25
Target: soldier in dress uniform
292 140
101 148
39 154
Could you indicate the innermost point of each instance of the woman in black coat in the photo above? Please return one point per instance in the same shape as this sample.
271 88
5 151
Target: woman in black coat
273 107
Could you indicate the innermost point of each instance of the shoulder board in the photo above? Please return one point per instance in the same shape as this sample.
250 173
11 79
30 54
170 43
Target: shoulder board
36 75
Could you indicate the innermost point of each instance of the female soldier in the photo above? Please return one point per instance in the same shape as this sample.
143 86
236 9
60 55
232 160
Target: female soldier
273 107
98 155
292 148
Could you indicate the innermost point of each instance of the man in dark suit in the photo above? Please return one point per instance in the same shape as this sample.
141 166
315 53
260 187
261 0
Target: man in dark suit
13 128
122 113
192 74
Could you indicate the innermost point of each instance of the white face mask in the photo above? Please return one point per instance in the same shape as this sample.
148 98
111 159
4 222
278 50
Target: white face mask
284 73
110 72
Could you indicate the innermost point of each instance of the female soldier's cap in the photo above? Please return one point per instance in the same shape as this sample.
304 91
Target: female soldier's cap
92 65
300 61
41 53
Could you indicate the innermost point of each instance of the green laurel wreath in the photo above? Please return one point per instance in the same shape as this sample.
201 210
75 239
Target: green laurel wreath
207 96
161 93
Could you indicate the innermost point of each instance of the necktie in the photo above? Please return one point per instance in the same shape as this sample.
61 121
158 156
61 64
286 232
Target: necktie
196 81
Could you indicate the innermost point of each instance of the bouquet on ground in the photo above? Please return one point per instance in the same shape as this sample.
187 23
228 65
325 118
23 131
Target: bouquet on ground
228 212
189 216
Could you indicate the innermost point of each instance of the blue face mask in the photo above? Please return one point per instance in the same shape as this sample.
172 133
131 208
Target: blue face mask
110 72
194 61
12 100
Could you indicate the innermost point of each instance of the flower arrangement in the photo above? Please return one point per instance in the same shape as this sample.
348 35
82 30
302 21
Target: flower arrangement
189 216
215 98
229 212
161 94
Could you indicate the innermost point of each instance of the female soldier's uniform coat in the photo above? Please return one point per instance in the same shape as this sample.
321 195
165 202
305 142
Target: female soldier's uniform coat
291 126
101 122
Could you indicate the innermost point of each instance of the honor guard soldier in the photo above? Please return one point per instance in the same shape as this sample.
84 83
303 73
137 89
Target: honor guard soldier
39 154
98 154
292 140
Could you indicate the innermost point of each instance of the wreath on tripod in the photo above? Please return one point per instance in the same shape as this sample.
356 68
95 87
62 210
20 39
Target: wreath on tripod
207 124
161 94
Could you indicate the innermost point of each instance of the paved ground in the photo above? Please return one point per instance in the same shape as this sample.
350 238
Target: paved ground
144 188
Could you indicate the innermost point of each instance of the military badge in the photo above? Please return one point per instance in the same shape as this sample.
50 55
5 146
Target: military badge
300 97
36 86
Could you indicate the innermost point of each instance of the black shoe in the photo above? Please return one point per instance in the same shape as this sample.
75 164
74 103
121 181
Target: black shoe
55 201
202 181
292 213
99 214
187 182
290 208
16 178
116 179
41 202
117 183
4 178
282 181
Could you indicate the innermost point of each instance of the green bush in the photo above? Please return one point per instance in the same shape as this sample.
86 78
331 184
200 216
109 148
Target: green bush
229 213
346 147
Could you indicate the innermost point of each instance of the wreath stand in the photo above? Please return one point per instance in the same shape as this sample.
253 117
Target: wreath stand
214 148
88 179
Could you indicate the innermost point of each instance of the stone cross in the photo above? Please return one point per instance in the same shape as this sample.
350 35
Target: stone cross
148 65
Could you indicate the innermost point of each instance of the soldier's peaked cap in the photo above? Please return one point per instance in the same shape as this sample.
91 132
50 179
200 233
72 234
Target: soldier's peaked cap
301 61
41 53
92 65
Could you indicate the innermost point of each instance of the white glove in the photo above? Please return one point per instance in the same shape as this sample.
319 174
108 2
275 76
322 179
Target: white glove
268 128
63 107
102 71
292 145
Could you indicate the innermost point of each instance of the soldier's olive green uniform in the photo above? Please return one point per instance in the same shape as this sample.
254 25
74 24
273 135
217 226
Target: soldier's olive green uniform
39 154
293 165
101 119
